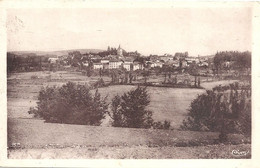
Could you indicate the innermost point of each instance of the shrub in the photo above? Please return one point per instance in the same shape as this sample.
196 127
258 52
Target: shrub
224 109
129 110
99 83
162 125
71 104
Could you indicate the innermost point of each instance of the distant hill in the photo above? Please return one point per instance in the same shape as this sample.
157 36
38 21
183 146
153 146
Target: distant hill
55 53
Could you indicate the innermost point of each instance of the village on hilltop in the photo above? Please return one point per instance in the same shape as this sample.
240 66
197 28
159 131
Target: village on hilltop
130 61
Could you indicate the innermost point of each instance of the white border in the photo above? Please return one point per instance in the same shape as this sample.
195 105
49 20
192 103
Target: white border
212 163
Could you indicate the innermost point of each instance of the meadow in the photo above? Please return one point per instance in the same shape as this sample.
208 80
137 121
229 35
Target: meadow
166 103
105 141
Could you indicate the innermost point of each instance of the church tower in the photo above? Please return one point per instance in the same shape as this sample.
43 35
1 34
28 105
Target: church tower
119 51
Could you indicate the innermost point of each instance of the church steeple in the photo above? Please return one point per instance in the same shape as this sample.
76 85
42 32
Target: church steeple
119 51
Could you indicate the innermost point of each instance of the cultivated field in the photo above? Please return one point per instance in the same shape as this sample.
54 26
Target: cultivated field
106 142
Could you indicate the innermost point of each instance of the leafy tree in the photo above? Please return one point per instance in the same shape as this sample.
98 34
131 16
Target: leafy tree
75 58
146 75
225 109
166 69
129 110
193 69
241 60
71 104
116 115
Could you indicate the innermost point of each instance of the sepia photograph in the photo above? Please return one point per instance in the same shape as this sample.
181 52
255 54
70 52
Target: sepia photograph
129 83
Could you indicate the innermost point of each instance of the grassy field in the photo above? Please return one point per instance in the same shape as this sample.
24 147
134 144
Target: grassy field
32 133
109 142
166 103
64 140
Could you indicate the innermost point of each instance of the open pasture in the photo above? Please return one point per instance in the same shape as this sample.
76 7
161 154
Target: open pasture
171 104
166 103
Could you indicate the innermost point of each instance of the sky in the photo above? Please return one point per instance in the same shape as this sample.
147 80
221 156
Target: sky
200 31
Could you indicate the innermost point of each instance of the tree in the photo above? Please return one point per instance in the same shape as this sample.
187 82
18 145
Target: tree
241 60
129 110
193 69
75 57
166 69
70 104
146 74
224 109
116 115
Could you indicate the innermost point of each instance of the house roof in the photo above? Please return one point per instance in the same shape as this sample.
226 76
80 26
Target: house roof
97 63
115 60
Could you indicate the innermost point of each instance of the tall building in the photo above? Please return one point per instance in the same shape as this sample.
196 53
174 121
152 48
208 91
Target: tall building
119 51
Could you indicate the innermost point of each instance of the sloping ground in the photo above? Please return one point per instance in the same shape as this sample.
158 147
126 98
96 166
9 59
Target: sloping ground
48 140
136 152
39 140
32 133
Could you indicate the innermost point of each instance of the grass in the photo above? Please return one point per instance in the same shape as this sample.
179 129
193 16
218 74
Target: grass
166 103
48 140
32 133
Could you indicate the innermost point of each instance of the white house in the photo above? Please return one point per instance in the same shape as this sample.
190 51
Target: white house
127 66
174 63
86 64
205 64
165 58
104 61
191 59
53 60
97 66
184 64
137 65
115 64
128 63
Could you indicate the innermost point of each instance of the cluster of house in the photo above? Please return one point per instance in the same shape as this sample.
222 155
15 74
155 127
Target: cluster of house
114 62
160 61
129 63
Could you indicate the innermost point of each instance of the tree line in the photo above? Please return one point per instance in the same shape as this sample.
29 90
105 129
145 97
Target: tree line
234 61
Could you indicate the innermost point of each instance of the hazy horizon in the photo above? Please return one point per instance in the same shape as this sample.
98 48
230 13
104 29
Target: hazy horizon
199 31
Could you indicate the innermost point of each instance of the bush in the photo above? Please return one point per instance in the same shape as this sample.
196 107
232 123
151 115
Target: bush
129 109
71 104
99 83
159 125
225 109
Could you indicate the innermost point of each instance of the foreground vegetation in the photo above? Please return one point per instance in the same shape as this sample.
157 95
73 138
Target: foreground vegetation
226 109
74 104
